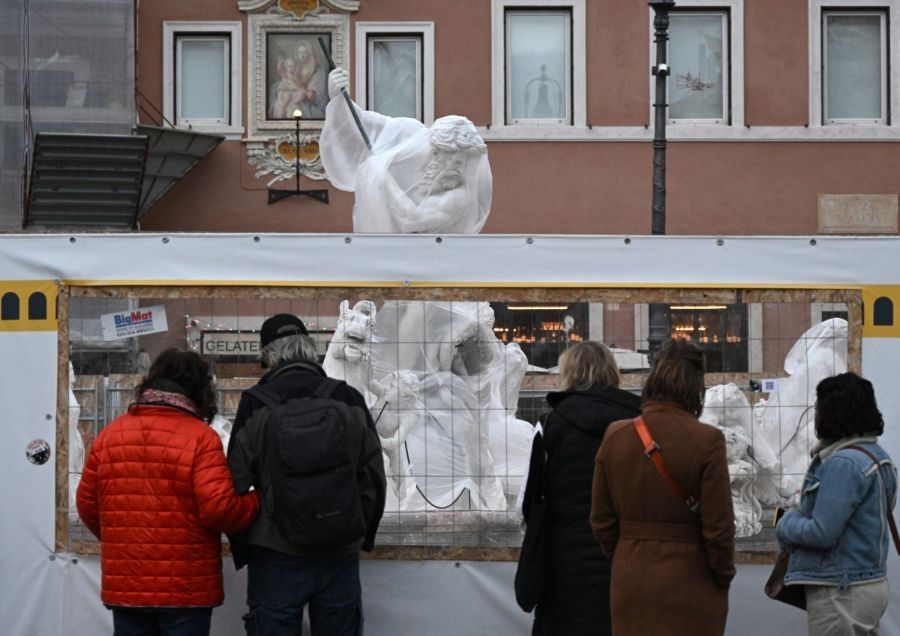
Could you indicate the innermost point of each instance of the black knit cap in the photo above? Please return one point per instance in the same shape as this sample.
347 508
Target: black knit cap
279 326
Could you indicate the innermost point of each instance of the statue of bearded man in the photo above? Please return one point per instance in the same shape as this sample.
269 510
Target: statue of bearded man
415 179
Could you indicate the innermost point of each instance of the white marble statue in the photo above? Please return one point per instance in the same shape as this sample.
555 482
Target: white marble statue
726 407
442 388
347 357
415 178
446 391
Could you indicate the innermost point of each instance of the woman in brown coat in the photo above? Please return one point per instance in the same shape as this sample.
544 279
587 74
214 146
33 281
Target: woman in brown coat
671 566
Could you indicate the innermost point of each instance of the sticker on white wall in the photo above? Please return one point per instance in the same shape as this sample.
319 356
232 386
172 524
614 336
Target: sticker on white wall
134 322
37 452
770 385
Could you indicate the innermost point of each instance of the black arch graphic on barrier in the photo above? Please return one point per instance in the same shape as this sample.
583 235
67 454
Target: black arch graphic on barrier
883 312
9 306
37 306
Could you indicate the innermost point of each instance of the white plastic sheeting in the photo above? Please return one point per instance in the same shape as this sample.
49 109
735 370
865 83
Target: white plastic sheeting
414 178
444 391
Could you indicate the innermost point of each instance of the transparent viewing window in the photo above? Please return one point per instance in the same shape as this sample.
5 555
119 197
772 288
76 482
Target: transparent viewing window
456 379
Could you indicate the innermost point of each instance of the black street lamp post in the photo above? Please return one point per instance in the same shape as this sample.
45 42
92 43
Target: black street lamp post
659 330
278 195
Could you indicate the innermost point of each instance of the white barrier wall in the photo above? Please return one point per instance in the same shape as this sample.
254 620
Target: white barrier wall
43 593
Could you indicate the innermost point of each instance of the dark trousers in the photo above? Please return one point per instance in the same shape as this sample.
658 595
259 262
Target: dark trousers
280 585
180 621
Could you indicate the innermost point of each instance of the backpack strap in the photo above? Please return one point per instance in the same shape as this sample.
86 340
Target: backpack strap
887 498
653 453
326 388
264 395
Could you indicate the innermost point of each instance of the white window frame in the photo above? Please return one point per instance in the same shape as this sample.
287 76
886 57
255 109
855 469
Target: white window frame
423 29
507 104
172 32
734 99
578 104
883 18
816 78
726 72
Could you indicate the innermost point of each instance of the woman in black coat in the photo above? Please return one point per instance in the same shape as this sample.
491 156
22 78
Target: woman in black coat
576 583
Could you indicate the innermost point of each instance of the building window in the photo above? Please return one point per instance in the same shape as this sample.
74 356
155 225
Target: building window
719 330
394 71
542 331
538 70
538 67
854 61
201 80
202 76
699 58
395 68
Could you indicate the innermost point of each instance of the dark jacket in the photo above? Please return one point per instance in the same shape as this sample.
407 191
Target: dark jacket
577 574
246 460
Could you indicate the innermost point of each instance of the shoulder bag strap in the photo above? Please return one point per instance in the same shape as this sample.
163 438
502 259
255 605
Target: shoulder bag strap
890 513
652 451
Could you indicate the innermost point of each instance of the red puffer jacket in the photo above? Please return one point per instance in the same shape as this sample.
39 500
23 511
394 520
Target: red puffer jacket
157 492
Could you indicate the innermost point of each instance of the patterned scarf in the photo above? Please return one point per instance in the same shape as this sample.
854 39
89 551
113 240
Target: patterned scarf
166 398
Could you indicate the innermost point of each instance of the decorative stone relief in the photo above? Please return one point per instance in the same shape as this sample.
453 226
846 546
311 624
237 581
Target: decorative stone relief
277 158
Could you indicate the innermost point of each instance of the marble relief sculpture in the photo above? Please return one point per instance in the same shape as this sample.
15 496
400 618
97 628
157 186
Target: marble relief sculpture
442 388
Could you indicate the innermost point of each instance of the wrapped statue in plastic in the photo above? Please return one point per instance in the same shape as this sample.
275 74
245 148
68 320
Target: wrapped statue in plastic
726 407
446 394
787 419
413 178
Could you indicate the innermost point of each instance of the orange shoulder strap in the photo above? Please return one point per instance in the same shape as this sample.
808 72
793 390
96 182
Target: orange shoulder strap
652 451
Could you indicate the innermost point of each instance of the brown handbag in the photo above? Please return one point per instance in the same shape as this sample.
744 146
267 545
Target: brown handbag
776 589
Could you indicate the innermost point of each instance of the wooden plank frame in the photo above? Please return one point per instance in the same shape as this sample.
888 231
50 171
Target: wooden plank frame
713 295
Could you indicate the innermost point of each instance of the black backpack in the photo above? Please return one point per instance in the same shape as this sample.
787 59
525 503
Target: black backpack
311 466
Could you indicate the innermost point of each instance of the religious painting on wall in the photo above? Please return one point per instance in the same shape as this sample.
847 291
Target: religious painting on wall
296 75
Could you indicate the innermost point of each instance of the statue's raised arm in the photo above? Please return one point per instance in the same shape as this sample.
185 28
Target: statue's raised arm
415 179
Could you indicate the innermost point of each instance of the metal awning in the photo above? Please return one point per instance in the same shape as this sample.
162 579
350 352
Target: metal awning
108 181
171 154
85 180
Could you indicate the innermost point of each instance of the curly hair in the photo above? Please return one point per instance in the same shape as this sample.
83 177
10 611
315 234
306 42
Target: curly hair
846 407
183 372
677 376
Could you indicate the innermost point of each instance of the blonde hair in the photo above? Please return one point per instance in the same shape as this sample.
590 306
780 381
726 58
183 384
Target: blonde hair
587 364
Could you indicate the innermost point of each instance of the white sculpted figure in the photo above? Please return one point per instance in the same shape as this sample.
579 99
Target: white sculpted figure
347 357
442 388
726 407
415 179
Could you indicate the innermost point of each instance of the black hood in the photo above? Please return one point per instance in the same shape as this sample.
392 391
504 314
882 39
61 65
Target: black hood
585 409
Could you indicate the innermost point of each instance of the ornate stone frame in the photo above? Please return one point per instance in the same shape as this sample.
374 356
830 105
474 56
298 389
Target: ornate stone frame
259 128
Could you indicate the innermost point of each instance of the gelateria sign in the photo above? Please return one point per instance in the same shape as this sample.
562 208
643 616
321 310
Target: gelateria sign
229 343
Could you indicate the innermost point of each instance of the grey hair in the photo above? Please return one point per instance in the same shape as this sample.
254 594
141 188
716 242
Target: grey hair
297 348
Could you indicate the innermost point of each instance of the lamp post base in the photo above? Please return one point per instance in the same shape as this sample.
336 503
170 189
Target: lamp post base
277 195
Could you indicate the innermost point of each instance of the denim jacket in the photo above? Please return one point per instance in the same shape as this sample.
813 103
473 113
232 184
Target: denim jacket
840 535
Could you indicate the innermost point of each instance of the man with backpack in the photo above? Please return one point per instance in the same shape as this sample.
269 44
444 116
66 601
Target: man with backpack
308 444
